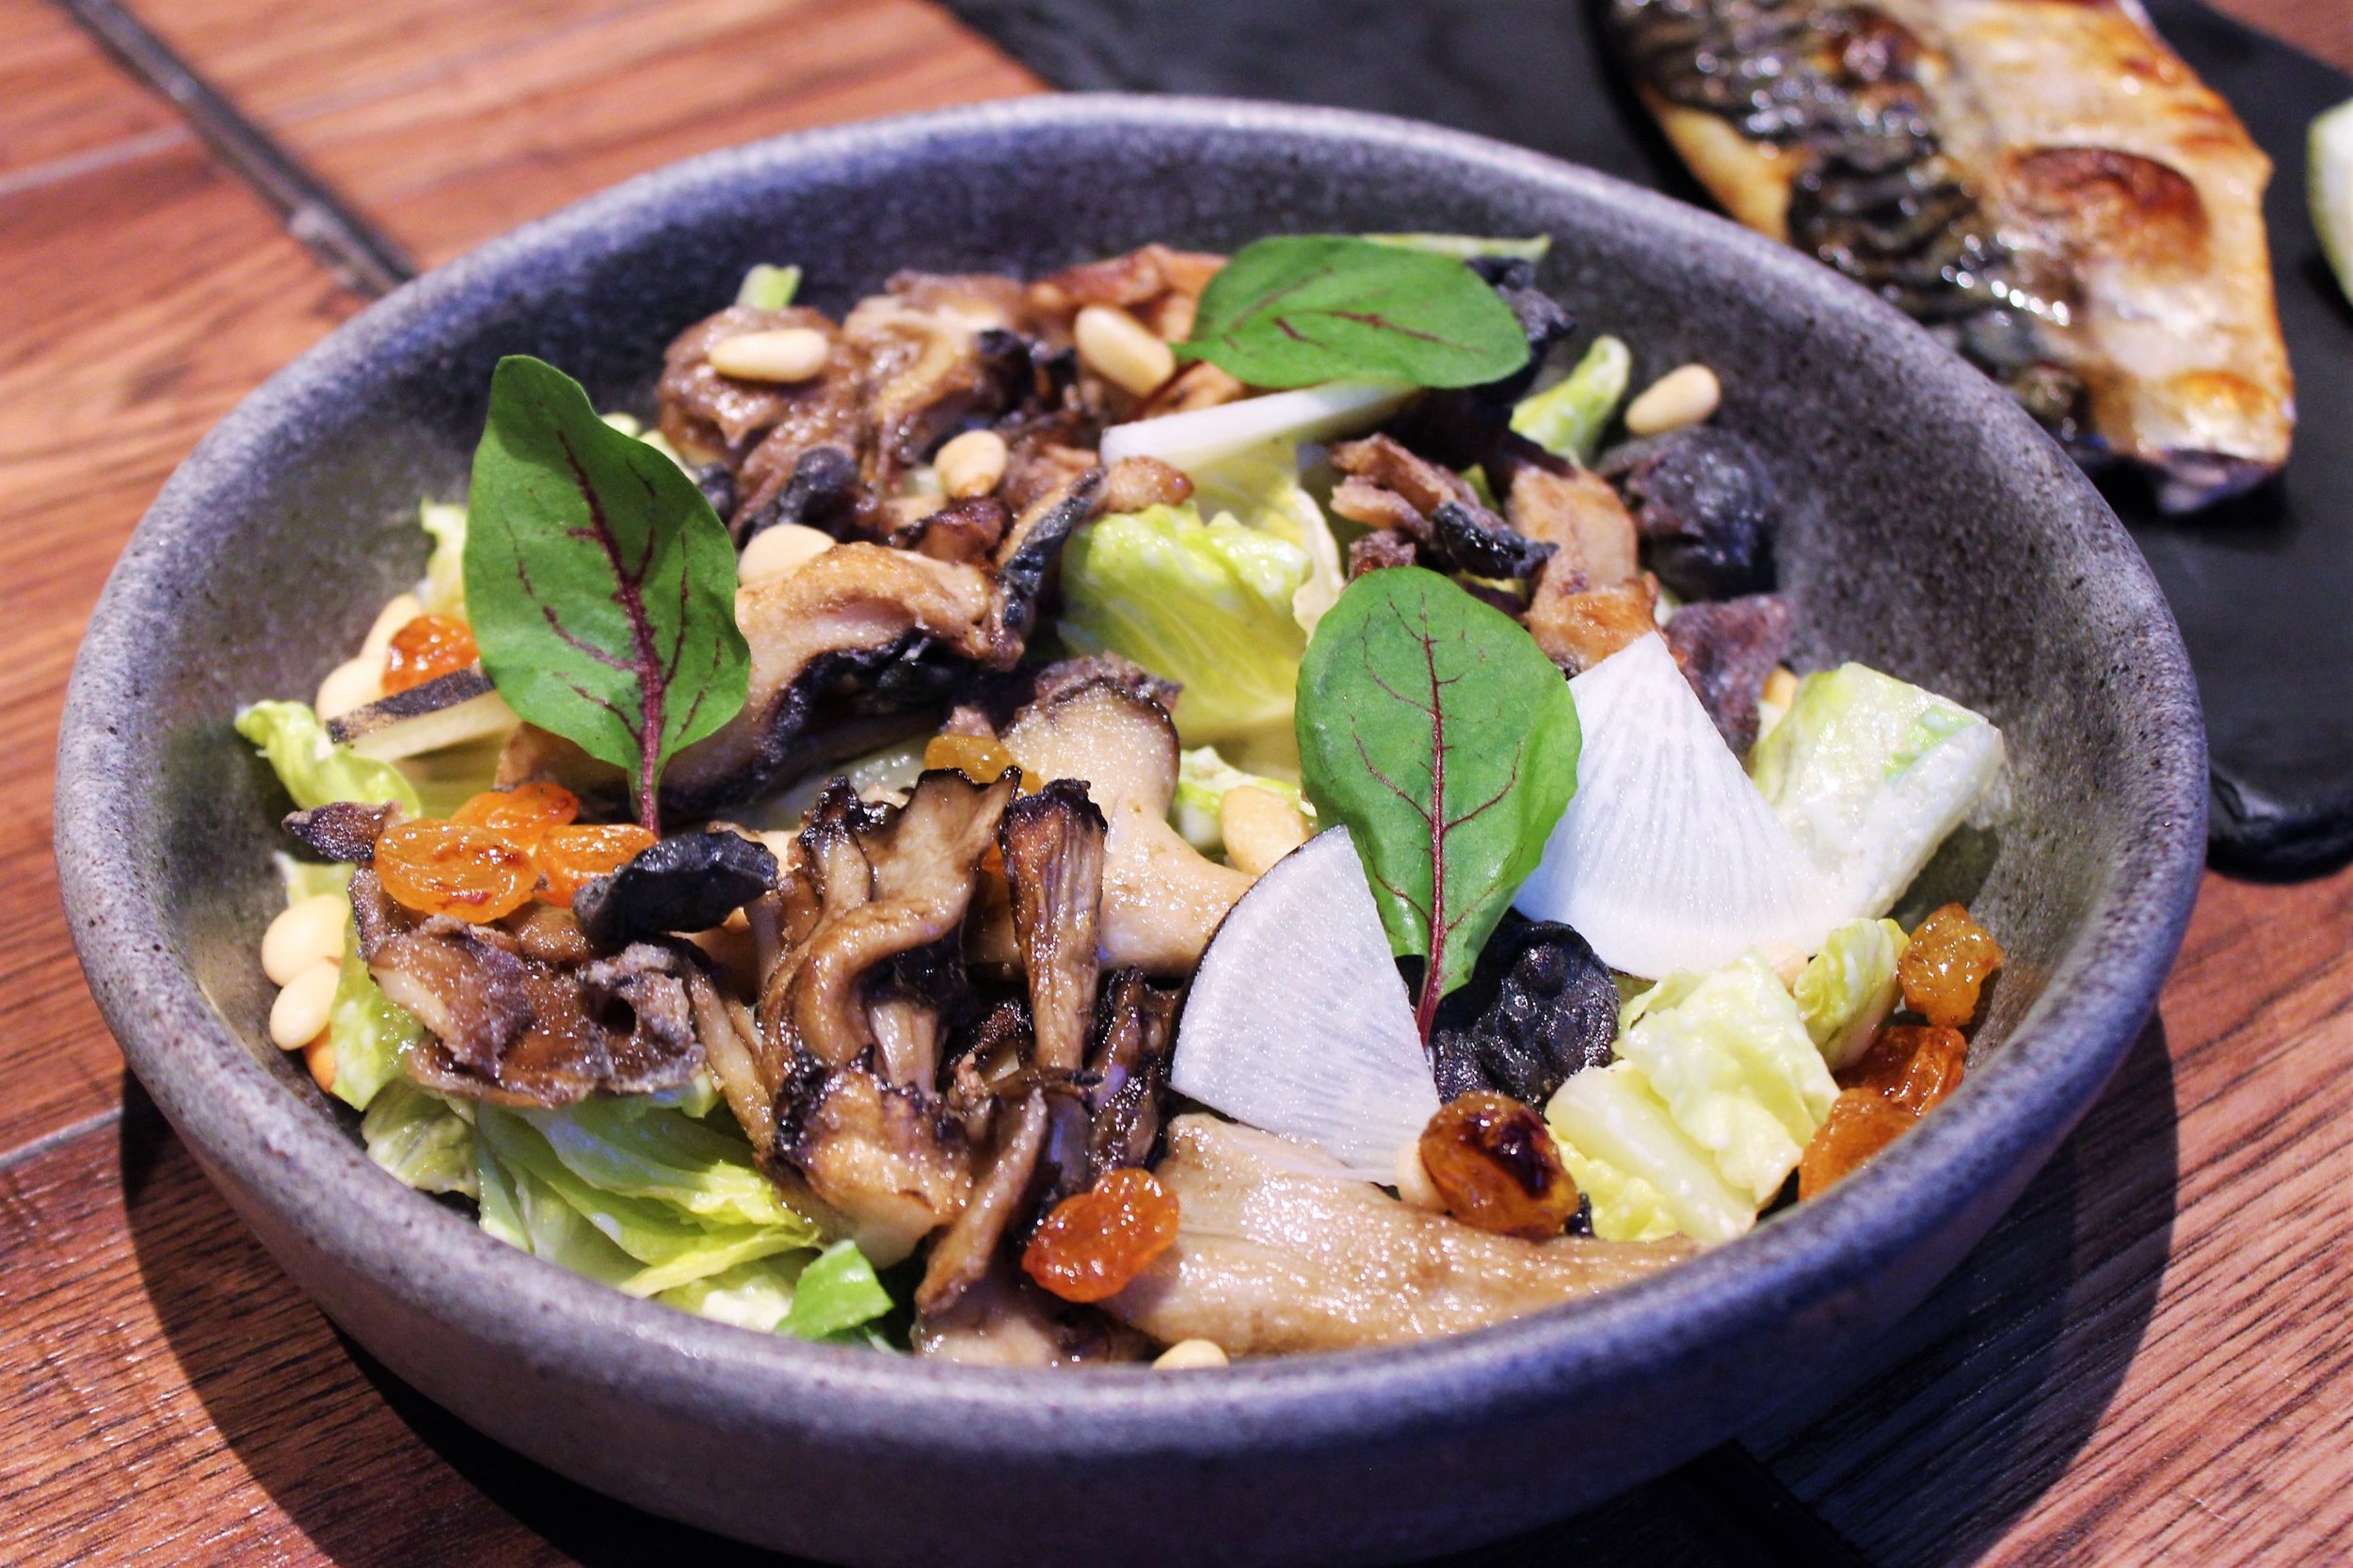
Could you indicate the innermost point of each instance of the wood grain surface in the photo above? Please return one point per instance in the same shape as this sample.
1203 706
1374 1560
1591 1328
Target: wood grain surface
2144 1364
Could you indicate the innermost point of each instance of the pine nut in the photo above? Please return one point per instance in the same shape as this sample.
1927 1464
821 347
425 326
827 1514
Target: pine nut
1685 396
1191 1356
1781 687
1121 350
299 1014
786 354
1414 1187
319 1056
1260 827
399 613
776 549
308 933
971 464
352 685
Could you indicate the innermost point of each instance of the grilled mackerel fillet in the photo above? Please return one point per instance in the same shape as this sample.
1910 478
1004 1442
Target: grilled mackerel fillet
2043 181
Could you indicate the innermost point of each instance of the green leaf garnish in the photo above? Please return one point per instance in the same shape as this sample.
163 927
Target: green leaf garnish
1435 729
600 584
1295 310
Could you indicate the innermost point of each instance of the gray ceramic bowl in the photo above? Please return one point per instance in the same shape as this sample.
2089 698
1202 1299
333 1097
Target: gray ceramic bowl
1934 532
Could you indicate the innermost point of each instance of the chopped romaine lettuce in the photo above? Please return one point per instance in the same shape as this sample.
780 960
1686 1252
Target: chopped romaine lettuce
768 287
1202 779
1208 604
421 1138
1468 247
634 1147
1259 488
754 1295
666 1244
1729 1055
443 592
314 770
1622 1146
1715 1094
366 1032
1567 418
1846 990
1871 773
447 777
307 878
835 1294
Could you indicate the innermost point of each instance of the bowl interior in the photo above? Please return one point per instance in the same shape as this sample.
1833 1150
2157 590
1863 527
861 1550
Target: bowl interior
1930 531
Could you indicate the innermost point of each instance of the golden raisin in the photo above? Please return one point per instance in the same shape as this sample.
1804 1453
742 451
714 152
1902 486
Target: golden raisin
1948 959
523 815
1494 1162
445 868
570 858
1860 1124
1911 1066
426 649
1095 1241
978 757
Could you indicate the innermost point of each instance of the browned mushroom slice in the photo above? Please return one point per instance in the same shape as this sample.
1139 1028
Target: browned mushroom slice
1579 626
1161 898
1005 1320
1388 487
940 351
1277 1250
1052 844
705 414
1582 515
1136 1030
844 1055
1002 1196
1159 285
882 1159
514 1019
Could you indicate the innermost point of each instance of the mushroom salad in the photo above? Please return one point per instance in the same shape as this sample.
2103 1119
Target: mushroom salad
1192 808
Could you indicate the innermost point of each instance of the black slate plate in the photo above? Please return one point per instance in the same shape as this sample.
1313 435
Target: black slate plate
2263 588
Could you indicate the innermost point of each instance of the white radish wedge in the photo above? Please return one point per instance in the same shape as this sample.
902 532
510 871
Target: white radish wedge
1298 1023
1668 859
1205 434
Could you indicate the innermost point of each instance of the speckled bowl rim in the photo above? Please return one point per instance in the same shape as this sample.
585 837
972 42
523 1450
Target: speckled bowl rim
281 1153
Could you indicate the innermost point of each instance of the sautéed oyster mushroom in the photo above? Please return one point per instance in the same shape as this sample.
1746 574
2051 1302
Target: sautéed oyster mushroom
1196 806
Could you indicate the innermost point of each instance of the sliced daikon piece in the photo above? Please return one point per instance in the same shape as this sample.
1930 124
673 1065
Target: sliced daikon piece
1205 435
1297 1021
1668 859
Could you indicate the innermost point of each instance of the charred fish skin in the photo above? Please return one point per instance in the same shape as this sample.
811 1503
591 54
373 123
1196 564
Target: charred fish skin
2043 182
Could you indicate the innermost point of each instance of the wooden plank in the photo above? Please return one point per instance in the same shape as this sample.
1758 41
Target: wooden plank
148 292
449 138
62 101
2147 1361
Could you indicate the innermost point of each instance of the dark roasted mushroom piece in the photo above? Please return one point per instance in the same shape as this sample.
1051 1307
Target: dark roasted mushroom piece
518 1015
1388 487
1052 847
688 882
1727 649
844 1072
342 831
1706 508
1538 1007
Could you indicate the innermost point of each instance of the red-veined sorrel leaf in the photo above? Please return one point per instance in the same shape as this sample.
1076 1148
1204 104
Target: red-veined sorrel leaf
600 584
1294 310
1435 729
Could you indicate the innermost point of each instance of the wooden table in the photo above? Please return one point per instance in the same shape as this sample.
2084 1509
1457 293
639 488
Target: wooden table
2146 1362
